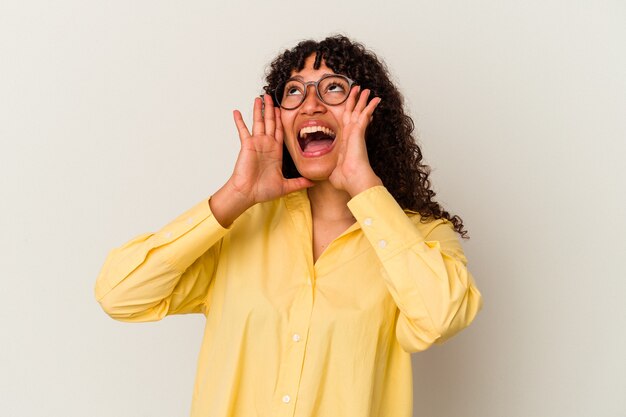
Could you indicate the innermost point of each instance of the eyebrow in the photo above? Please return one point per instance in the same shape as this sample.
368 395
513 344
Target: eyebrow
299 77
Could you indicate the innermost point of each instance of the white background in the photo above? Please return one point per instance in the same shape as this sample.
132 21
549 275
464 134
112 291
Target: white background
115 116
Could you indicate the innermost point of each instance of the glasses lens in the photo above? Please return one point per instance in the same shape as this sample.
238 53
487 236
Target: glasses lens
292 95
334 90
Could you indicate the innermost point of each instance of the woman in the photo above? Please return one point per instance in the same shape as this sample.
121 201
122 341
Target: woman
320 264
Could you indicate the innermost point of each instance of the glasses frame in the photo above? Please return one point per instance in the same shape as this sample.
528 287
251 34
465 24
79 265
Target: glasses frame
315 84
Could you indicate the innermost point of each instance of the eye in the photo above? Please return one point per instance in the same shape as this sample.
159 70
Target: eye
336 88
334 85
293 89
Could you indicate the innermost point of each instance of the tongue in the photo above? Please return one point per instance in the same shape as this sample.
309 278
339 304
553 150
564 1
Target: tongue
317 145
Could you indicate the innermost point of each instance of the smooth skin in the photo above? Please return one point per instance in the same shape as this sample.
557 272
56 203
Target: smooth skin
333 178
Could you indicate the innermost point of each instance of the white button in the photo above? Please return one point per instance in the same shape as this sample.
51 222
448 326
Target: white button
286 399
382 243
368 221
295 337
168 235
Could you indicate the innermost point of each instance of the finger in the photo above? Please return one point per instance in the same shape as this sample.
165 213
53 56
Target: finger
371 106
244 133
360 105
278 134
258 125
295 184
270 123
352 97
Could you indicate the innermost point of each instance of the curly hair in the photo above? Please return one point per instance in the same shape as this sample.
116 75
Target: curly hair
392 150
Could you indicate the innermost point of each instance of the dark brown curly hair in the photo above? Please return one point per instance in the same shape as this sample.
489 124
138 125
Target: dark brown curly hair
392 150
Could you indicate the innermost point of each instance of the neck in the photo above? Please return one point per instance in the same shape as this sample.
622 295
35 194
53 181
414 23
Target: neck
329 203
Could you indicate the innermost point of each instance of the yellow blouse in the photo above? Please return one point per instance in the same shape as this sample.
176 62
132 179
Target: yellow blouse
286 336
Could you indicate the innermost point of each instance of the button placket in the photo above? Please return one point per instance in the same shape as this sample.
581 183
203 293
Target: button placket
291 367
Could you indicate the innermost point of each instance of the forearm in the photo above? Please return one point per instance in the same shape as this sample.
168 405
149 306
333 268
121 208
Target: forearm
164 272
424 268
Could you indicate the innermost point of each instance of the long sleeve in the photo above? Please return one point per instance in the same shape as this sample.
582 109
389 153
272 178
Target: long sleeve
168 272
424 268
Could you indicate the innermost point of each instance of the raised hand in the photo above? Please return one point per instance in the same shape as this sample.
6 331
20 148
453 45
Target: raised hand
353 171
257 175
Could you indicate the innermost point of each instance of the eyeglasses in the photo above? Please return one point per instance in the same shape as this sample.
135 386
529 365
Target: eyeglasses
331 89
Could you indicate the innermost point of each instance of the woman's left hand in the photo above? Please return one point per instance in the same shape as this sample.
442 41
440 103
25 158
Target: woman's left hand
353 172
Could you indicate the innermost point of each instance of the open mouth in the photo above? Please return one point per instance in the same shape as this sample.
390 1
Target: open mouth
316 140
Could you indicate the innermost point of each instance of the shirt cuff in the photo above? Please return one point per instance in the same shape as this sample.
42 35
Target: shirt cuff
384 223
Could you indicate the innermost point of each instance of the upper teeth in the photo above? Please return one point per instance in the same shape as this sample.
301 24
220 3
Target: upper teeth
312 129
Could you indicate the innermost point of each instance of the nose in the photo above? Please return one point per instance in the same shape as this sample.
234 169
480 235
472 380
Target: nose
312 103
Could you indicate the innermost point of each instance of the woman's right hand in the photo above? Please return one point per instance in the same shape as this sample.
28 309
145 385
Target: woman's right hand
258 175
